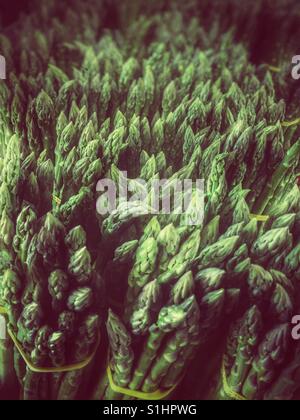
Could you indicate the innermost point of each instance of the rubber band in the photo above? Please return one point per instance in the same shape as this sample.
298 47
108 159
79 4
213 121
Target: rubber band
228 391
36 369
56 199
260 217
156 395
290 123
274 69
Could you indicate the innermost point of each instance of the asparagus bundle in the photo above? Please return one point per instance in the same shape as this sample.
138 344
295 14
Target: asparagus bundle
159 270
47 280
169 336
231 257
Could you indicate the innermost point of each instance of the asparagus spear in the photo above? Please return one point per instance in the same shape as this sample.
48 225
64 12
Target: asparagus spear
121 354
169 320
49 239
33 381
286 385
84 344
271 355
249 329
171 350
58 288
56 351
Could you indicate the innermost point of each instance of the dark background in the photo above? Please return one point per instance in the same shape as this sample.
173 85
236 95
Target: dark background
10 10
270 18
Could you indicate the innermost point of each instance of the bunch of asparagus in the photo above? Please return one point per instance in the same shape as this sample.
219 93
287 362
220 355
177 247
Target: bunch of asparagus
226 273
48 283
49 229
259 356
